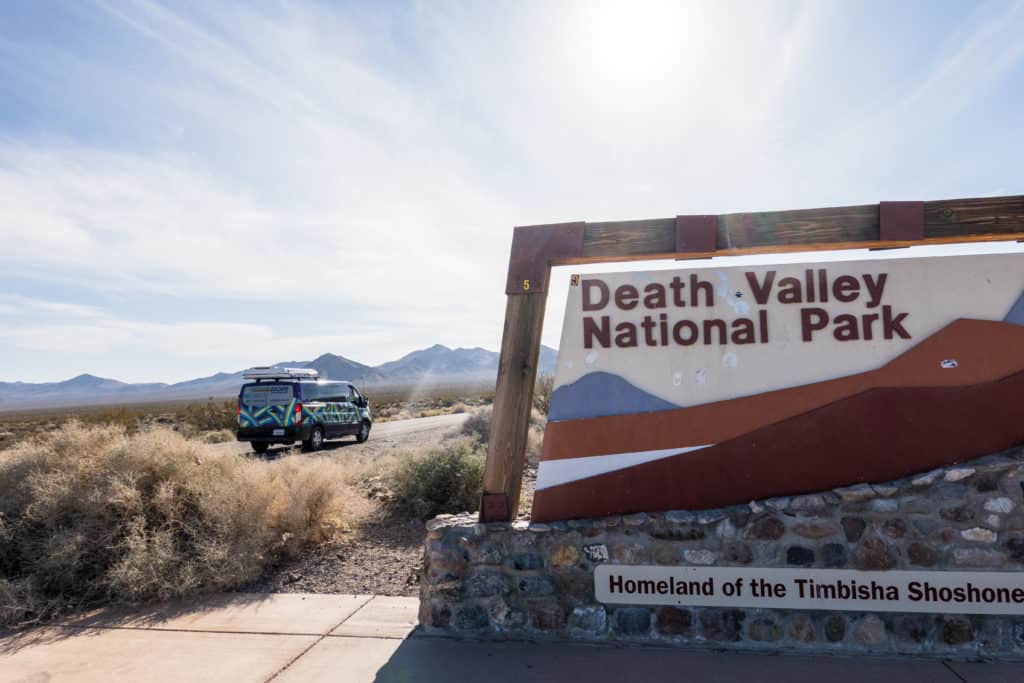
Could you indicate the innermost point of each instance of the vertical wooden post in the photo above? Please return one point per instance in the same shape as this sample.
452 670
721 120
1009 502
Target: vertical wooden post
513 401
529 268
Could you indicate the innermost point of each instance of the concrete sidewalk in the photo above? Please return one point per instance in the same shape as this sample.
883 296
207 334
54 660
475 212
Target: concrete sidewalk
362 638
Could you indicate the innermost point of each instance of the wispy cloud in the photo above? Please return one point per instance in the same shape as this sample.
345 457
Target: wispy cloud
344 178
62 330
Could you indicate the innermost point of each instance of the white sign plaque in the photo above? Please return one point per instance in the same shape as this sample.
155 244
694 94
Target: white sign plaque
812 589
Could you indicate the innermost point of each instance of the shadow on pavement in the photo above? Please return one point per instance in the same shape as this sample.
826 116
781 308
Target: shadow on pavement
430 659
133 616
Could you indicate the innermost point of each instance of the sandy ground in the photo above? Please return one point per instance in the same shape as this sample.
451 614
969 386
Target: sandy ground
383 555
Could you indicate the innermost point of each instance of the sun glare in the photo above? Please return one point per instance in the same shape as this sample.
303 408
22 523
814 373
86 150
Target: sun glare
638 43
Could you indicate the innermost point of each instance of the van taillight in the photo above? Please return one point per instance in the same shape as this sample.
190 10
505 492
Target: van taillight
298 413
238 412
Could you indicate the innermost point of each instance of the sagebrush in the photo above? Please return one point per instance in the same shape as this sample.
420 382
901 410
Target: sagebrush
446 479
478 425
92 514
542 390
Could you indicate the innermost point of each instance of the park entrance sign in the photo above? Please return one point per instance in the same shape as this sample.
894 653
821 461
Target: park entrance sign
703 387
824 456
854 301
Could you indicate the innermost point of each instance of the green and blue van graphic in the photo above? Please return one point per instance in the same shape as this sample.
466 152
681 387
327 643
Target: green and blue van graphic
282 407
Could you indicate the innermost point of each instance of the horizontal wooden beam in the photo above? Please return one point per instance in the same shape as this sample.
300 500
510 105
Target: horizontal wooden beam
945 221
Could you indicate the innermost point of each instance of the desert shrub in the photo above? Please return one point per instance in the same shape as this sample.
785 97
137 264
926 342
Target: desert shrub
542 389
219 436
212 415
478 425
534 444
122 416
91 514
447 479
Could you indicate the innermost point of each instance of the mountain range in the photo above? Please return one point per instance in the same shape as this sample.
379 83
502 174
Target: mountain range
436 365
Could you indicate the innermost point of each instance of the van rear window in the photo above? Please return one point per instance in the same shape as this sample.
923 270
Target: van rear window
262 395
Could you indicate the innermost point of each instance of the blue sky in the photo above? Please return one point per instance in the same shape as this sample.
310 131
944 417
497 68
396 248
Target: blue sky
187 188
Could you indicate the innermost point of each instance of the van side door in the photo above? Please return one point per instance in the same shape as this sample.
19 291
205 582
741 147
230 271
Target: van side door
333 397
339 409
354 416
344 413
314 408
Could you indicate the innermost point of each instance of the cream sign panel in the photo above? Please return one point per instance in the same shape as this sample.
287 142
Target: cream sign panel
706 386
703 335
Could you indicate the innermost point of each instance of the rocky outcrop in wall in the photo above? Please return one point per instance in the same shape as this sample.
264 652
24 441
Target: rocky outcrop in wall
524 580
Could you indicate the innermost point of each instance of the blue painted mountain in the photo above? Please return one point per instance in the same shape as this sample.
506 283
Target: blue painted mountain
1016 314
599 394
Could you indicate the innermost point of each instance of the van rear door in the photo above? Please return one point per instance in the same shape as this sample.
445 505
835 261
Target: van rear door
267 404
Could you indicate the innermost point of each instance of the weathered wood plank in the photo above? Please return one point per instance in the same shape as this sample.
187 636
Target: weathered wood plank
617 239
513 400
971 219
984 215
804 226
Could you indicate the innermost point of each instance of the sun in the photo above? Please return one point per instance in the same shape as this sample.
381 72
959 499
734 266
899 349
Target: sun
639 42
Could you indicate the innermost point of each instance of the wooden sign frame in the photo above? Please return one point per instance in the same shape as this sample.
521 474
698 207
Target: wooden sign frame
535 249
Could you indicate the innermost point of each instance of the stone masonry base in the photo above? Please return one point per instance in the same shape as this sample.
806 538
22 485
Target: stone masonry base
531 581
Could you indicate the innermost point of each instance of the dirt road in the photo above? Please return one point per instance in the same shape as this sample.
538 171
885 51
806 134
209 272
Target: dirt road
405 434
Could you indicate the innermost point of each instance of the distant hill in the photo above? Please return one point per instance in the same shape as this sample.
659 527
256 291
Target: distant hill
439 361
80 389
437 364
331 366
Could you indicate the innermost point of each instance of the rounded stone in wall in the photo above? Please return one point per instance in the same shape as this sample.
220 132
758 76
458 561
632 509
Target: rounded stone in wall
955 630
674 621
870 630
764 629
801 629
722 624
874 554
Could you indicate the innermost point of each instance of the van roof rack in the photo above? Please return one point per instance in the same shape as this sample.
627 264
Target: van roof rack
267 372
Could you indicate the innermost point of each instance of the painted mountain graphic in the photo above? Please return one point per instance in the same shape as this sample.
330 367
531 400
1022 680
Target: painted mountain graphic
601 393
954 396
964 352
1016 314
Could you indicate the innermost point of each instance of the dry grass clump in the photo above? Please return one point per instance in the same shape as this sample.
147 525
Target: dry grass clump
219 436
446 479
211 416
90 514
478 427
542 390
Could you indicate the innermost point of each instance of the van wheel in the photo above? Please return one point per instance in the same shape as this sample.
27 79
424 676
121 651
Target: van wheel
315 441
364 432
260 446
